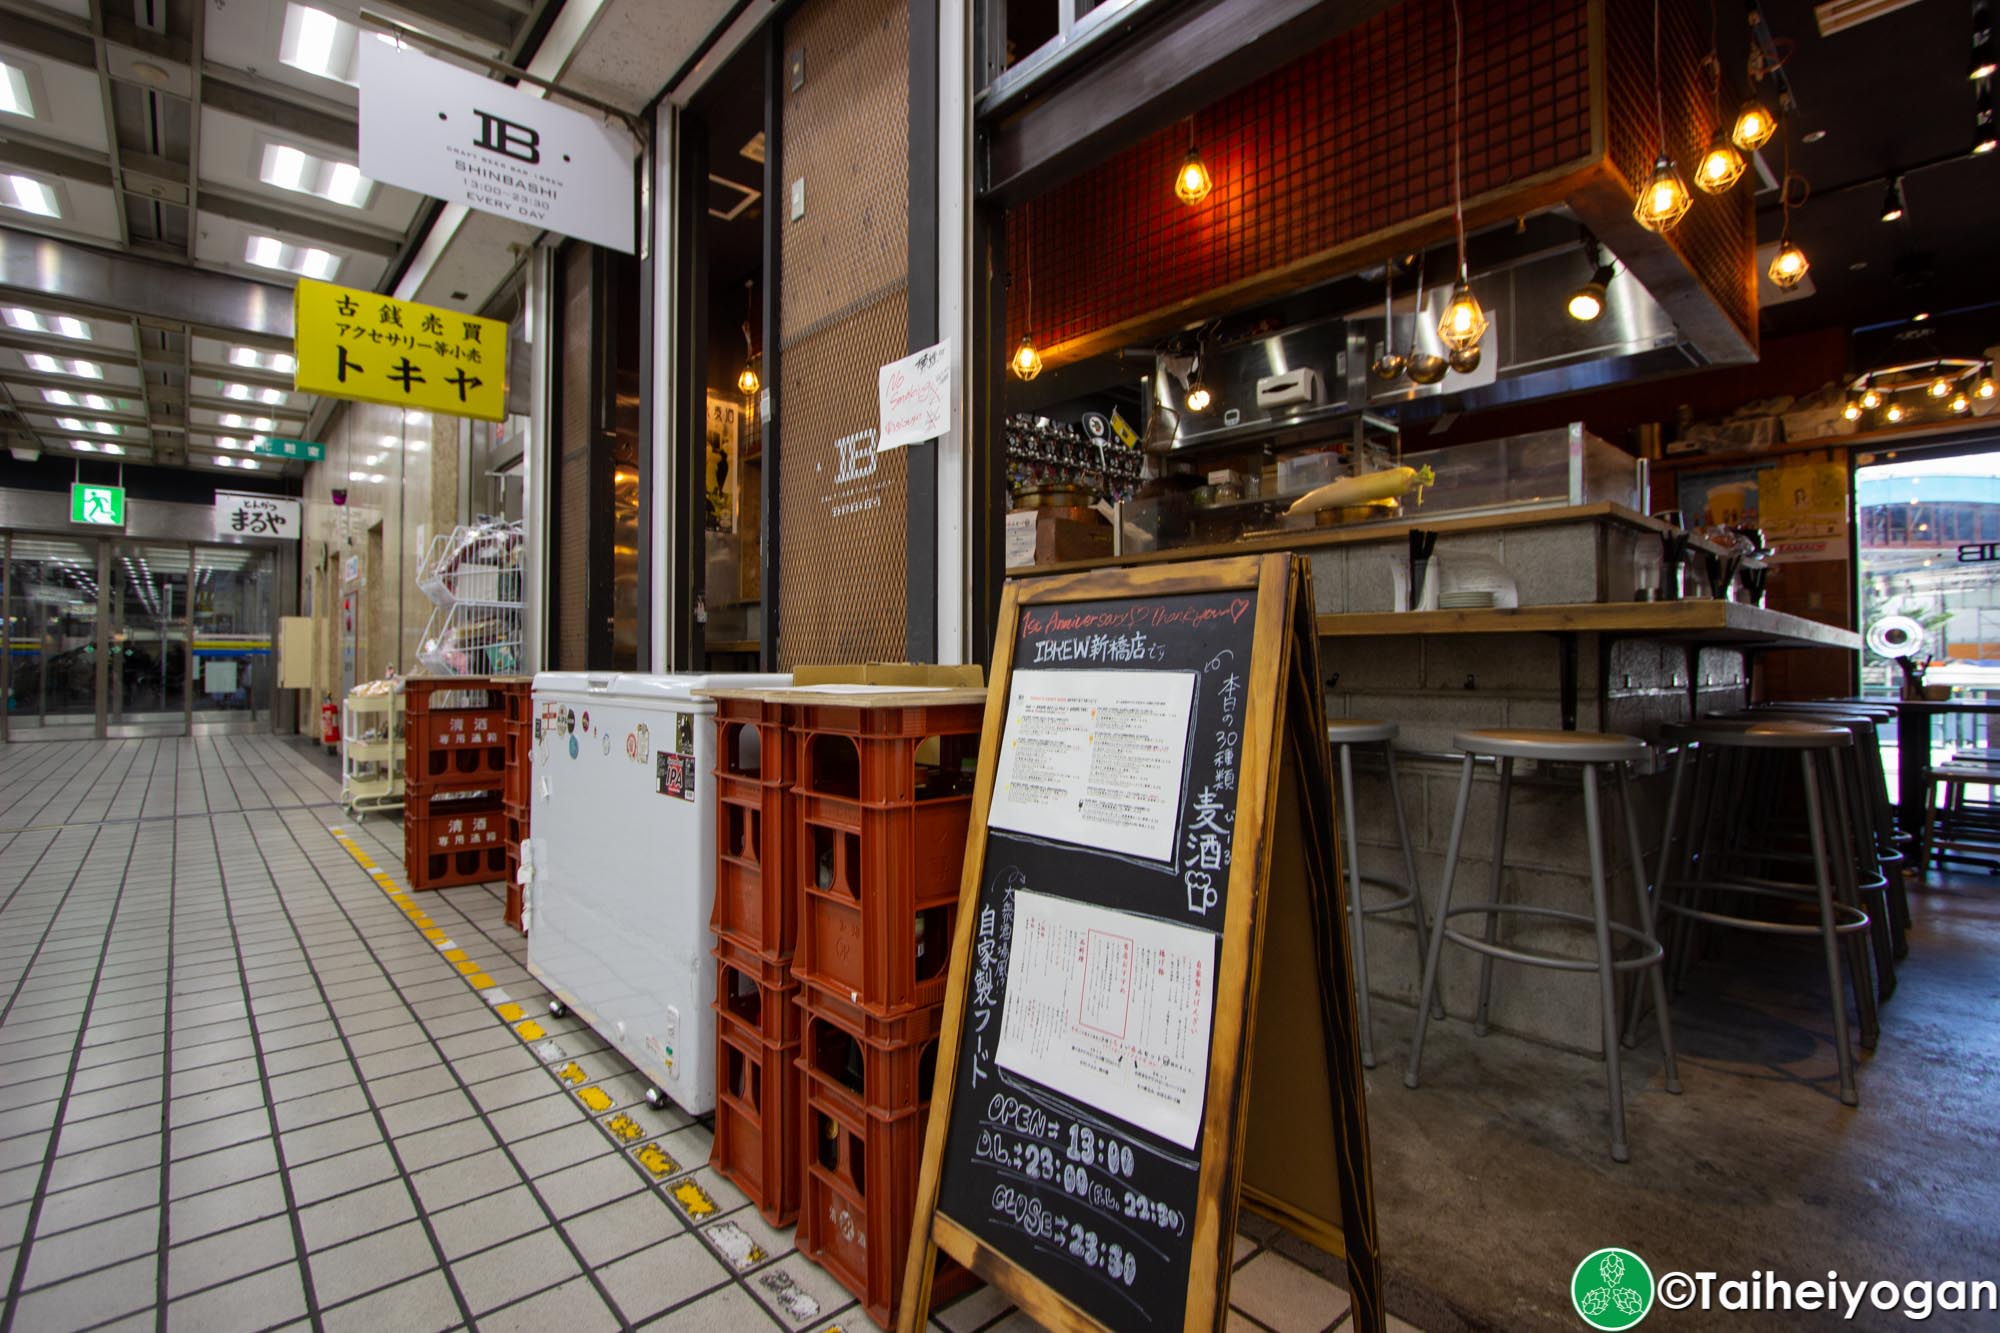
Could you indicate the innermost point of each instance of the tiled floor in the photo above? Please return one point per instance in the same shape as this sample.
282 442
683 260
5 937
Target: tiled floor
246 1081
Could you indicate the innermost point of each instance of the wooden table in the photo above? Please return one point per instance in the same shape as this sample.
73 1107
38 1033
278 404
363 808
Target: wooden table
1696 624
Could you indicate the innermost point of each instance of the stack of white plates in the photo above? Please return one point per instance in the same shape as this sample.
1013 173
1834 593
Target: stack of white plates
1465 601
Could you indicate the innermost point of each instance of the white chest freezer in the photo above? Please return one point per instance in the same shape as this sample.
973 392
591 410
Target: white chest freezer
621 864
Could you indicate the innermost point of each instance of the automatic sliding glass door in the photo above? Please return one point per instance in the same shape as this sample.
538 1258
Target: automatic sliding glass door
235 613
147 690
51 638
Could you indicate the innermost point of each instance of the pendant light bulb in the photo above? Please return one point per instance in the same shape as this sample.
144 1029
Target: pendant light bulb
1940 384
1985 387
1026 362
1788 266
1892 200
1193 182
1871 398
1754 126
1722 165
1895 413
1961 404
1664 200
747 383
1463 323
1851 412
1586 302
1198 396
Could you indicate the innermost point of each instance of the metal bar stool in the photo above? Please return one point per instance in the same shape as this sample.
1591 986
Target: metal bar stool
1714 842
1877 885
1592 750
1344 735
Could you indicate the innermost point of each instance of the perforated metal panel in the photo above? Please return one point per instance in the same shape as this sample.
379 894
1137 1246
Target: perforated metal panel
845 263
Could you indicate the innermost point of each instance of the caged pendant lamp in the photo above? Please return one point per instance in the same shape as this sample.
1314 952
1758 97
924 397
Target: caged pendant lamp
1463 323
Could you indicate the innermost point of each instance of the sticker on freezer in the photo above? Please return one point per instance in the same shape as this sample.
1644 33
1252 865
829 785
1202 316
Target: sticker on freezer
1111 1009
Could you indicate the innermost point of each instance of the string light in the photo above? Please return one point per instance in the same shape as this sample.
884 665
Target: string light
1789 265
1754 126
1722 164
747 382
1664 200
1027 362
1192 182
1463 323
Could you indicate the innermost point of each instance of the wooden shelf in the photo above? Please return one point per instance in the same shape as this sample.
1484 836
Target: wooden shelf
1690 621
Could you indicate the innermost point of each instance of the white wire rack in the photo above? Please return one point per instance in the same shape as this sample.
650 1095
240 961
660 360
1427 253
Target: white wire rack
473 573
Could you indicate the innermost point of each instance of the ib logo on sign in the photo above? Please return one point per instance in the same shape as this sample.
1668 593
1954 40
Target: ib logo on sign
1612 1289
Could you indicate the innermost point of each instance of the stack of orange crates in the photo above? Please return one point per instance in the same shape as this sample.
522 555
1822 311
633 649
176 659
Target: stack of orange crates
518 697
454 769
755 922
882 804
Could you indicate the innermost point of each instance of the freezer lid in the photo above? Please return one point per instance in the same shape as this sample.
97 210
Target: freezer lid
658 688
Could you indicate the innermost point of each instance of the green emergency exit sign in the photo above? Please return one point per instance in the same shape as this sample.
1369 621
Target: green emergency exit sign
276 446
100 505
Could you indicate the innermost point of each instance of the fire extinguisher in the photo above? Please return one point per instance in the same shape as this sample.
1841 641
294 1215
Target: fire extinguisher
329 722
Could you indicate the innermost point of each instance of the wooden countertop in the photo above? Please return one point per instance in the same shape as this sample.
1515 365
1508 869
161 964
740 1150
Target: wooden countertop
1379 530
1688 621
884 696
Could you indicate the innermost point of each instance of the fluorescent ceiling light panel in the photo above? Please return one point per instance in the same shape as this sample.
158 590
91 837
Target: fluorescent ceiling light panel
15 98
77 423
294 169
29 195
29 321
315 41
306 261
229 442
282 362
48 365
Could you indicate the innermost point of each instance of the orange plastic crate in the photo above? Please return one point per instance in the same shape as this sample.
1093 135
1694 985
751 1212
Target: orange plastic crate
878 895
933 762
755 902
881 1065
755 993
751 741
860 1191
447 843
756 1118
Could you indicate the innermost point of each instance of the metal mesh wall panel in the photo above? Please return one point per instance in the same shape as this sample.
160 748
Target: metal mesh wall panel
1716 239
571 573
1351 138
842 525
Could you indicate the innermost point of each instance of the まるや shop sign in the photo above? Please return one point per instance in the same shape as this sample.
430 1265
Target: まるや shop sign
455 135
355 344
239 514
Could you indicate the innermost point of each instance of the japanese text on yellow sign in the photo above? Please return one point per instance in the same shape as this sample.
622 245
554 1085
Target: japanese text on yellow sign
356 344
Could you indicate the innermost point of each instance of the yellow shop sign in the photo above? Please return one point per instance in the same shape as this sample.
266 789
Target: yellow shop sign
356 344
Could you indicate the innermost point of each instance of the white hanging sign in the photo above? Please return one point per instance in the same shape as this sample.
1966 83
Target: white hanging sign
447 132
916 397
238 514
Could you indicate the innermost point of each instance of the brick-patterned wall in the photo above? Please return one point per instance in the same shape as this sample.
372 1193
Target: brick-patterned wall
1350 139
1351 144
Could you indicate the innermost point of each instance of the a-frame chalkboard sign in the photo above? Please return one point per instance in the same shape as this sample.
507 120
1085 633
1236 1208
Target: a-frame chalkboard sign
1149 1018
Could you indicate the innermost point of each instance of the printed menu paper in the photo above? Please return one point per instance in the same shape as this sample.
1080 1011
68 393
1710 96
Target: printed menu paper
1111 1009
1095 758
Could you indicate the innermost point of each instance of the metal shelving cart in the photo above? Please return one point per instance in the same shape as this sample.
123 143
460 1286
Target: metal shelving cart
371 750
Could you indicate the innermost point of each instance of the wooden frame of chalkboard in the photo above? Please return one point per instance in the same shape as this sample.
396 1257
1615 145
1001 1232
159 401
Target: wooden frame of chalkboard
1106 1098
